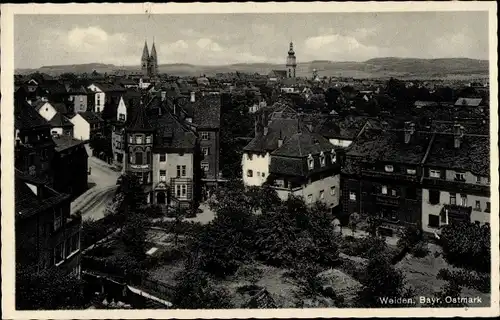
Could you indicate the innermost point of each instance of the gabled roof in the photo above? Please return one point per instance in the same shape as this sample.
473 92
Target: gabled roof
76 89
138 120
109 87
278 73
27 202
90 117
64 142
468 102
303 144
26 117
60 121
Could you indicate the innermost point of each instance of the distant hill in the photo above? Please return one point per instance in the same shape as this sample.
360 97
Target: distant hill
373 68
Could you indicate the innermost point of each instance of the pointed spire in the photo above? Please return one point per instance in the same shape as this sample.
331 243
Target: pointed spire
145 51
153 51
140 121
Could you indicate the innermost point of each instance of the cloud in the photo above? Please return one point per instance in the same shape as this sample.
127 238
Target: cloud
92 39
208 44
335 46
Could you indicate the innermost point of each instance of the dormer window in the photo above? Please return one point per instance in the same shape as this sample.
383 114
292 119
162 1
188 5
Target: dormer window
334 156
310 162
389 168
148 139
322 159
138 139
130 139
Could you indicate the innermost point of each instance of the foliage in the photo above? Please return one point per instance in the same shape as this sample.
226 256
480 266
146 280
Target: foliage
92 231
470 279
467 245
226 241
251 273
264 198
373 222
354 220
195 290
381 280
154 211
101 144
133 235
450 289
48 290
133 195
365 247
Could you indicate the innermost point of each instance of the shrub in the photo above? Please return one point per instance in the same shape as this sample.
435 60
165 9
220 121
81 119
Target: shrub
420 250
470 279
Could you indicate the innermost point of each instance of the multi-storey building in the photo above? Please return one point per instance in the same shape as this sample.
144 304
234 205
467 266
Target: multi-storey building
34 147
456 178
164 152
47 234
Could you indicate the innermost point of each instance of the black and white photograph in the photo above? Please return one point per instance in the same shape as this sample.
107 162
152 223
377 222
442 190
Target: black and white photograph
236 158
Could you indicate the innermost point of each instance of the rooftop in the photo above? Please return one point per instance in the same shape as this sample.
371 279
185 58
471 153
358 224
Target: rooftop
26 117
59 120
64 142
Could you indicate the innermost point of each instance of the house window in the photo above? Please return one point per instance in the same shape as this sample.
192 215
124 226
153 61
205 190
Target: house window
148 139
81 98
258 173
148 157
488 209
59 253
138 139
130 139
309 198
453 198
138 158
250 156
205 136
478 179
121 117
394 193
352 196
389 168
206 151
310 162
411 171
384 189
322 159
249 173
163 157
434 173
433 221
434 196
463 200
181 171
58 217
459 176
332 191
181 190
204 166
478 205
73 244
263 174
334 156
163 175
322 194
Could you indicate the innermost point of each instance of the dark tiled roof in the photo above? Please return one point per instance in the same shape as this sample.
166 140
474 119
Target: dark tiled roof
473 154
278 73
283 128
468 102
26 117
65 142
302 144
60 121
206 112
54 88
76 89
60 107
91 117
138 119
342 128
27 203
109 87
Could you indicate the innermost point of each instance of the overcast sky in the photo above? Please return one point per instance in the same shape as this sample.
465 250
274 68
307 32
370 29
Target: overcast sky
216 39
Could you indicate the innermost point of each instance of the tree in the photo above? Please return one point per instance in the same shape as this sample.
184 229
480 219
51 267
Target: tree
263 198
49 289
195 290
374 222
133 235
381 281
467 245
411 237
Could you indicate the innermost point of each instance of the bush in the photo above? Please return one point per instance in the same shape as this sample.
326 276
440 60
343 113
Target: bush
365 247
470 279
420 250
467 245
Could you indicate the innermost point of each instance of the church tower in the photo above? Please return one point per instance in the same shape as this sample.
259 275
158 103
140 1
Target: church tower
291 62
153 62
145 59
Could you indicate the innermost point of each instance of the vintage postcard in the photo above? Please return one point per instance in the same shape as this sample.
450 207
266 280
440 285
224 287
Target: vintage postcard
265 160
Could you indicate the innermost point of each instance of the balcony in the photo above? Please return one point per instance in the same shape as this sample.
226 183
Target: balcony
457 185
389 175
456 213
386 199
141 167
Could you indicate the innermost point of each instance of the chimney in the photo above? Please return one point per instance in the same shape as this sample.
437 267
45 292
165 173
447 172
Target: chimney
458 133
409 131
193 96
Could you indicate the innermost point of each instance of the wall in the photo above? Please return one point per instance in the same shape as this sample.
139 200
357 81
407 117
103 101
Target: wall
469 177
170 165
428 208
314 189
259 164
99 97
213 157
79 103
340 142
81 129
122 109
47 111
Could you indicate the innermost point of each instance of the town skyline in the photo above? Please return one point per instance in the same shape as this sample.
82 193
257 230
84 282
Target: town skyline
254 38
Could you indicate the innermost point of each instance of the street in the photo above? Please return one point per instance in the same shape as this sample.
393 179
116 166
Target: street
102 180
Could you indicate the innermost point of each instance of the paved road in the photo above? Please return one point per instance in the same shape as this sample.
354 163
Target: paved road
93 202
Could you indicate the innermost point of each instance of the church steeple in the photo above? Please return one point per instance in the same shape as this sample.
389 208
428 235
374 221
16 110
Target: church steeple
145 58
291 62
153 60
